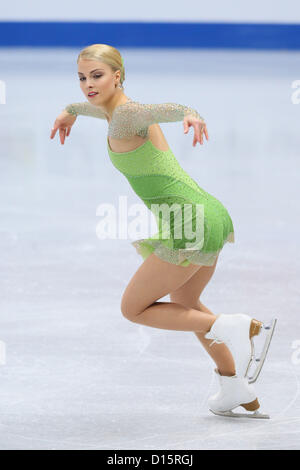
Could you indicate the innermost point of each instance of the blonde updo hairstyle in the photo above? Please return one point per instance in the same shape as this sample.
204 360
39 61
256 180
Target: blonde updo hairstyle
107 54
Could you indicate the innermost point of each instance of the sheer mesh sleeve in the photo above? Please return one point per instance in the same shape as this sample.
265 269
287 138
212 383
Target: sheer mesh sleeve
133 118
85 109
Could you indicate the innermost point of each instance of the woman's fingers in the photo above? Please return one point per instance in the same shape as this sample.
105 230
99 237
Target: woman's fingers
199 130
198 137
62 133
53 132
201 135
64 130
205 132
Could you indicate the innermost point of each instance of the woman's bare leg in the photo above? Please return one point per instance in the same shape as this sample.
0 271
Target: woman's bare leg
188 294
172 316
153 280
218 352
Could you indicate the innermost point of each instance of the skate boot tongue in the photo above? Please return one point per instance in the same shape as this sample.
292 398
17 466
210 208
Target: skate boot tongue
233 330
237 332
217 330
211 334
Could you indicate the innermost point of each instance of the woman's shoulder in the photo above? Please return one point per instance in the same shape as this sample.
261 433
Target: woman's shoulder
127 107
126 120
127 113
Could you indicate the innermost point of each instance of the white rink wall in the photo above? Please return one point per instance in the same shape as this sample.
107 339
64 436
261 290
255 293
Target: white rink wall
239 11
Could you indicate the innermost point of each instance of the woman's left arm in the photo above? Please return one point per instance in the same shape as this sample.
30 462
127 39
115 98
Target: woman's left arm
135 116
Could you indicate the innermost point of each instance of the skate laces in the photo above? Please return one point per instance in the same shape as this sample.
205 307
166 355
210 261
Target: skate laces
217 341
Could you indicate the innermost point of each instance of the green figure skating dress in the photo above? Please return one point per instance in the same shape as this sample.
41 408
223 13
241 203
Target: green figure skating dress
193 225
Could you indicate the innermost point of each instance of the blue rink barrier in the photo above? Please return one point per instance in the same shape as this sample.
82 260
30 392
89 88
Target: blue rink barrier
147 34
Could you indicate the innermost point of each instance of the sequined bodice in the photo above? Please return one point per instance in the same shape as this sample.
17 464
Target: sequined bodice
162 173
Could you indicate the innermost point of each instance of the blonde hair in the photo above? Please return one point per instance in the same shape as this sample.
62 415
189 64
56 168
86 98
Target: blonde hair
107 54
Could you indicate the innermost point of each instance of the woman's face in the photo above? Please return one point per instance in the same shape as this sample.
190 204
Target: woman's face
95 76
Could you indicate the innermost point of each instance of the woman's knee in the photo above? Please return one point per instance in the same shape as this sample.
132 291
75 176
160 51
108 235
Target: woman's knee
127 310
130 310
153 280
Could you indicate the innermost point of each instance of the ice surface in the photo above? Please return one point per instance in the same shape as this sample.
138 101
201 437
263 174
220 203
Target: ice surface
77 374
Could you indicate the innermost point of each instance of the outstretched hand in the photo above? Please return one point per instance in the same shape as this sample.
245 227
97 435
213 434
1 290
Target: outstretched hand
199 126
63 123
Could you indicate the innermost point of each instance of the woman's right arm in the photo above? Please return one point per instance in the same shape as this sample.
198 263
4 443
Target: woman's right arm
63 124
85 109
68 116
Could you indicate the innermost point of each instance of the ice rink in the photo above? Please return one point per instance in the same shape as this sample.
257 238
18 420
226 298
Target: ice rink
75 374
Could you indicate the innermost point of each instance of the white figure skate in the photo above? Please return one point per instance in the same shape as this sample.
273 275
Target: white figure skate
235 391
237 332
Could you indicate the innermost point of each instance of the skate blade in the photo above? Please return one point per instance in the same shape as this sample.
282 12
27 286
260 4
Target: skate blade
232 414
255 330
270 331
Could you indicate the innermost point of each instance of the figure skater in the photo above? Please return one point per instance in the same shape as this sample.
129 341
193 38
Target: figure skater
172 265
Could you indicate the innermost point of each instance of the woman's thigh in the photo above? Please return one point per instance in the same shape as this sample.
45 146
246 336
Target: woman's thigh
188 294
153 280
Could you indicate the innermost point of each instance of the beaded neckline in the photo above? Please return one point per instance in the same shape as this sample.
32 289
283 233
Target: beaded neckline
148 141
129 151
